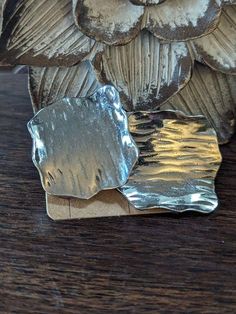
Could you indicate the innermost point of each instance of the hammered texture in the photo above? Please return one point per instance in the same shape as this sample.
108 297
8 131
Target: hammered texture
82 146
146 2
179 159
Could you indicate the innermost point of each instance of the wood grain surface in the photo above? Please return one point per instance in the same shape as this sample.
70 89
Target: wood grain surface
145 264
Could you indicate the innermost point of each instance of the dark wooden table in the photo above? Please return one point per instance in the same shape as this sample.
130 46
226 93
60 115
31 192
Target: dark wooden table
153 264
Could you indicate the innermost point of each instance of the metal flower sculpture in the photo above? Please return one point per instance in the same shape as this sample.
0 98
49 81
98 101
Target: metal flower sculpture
145 49
159 54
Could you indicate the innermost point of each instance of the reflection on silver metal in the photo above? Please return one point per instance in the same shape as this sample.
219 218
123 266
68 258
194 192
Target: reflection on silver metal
179 159
83 145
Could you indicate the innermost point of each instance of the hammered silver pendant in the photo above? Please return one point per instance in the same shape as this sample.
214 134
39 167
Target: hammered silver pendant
82 145
179 160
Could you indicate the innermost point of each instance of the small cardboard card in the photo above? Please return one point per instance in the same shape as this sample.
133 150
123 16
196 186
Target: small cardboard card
105 204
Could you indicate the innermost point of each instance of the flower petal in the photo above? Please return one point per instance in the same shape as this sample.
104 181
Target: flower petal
218 49
42 33
146 72
110 21
48 85
182 19
211 94
179 159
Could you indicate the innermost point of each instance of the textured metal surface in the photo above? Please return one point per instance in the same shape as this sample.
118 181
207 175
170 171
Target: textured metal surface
211 94
82 146
182 19
179 159
114 22
42 33
48 85
218 49
147 72
119 21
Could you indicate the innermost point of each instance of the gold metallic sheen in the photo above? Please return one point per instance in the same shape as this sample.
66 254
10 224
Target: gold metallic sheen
179 159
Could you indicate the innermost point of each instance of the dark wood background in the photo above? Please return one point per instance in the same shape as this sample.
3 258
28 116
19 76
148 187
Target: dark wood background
153 264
